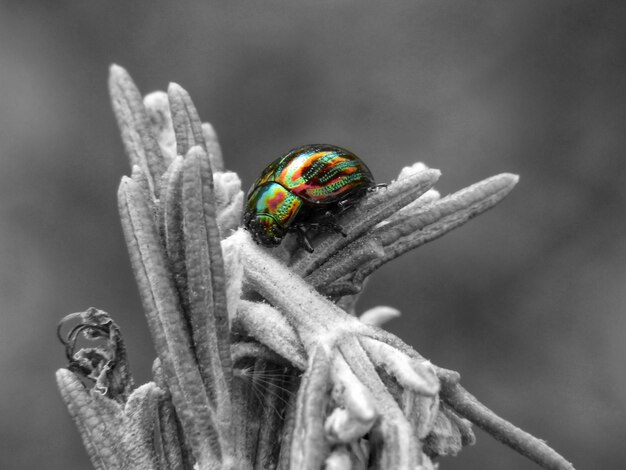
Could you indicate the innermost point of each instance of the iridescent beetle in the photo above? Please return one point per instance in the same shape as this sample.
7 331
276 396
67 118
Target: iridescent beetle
305 189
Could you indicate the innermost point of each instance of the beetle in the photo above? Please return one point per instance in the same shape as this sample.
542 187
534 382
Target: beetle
304 190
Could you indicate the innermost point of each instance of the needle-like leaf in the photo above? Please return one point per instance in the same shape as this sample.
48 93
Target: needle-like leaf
166 322
185 119
365 215
206 285
140 144
309 446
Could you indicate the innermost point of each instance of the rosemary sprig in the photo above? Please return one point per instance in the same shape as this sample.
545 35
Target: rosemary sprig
234 324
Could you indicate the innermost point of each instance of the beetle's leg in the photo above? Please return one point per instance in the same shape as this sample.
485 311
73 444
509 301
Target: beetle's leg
303 239
341 206
327 223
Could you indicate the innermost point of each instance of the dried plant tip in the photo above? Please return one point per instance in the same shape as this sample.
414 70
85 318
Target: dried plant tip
141 146
378 316
106 365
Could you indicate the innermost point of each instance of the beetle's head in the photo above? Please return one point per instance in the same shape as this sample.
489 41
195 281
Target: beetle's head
265 229
270 211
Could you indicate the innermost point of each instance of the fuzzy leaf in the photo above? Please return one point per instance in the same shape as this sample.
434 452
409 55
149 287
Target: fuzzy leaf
268 326
141 146
185 120
205 277
356 410
364 216
309 447
436 219
99 421
140 422
167 325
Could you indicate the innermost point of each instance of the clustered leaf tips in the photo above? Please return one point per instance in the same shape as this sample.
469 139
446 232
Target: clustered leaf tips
261 360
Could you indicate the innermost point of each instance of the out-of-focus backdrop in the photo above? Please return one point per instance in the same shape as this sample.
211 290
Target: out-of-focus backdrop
527 301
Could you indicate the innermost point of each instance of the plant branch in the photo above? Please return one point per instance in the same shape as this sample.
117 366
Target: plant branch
502 430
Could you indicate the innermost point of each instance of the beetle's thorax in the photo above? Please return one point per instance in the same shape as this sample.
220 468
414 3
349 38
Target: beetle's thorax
271 209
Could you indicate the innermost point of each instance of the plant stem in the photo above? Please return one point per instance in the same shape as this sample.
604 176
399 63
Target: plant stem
535 449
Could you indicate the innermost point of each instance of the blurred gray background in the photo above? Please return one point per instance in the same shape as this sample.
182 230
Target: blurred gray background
527 301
